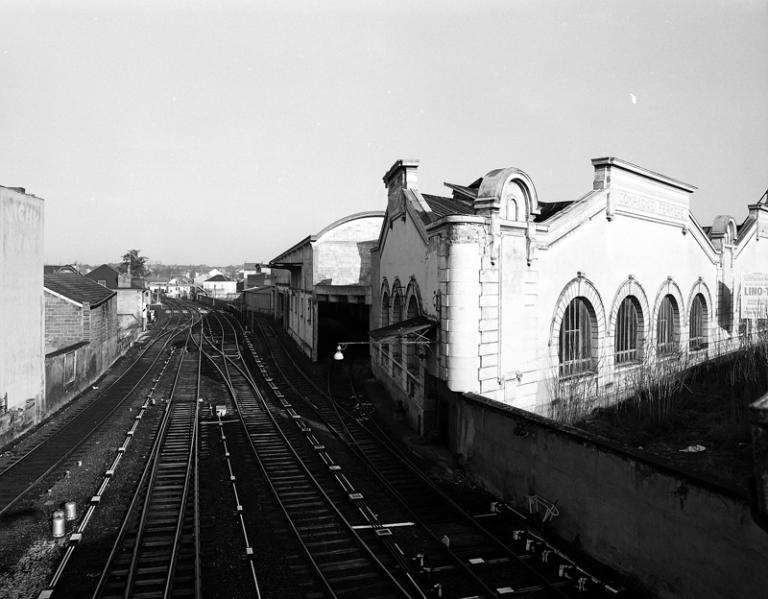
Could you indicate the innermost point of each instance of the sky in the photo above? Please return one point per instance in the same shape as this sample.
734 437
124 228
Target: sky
220 132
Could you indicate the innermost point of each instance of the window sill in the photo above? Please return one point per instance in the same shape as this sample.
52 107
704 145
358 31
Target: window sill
626 366
577 376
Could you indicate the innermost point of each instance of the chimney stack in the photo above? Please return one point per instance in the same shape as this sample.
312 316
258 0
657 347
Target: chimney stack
402 175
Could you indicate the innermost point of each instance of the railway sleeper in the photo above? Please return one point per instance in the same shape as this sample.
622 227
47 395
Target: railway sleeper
317 527
334 553
342 540
349 565
354 578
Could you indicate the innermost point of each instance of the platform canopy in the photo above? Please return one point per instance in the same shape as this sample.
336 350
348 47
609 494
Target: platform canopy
414 330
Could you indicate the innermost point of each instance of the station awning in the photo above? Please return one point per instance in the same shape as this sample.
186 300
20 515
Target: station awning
413 330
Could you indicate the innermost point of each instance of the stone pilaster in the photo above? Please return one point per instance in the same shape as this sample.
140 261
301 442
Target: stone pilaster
461 313
488 348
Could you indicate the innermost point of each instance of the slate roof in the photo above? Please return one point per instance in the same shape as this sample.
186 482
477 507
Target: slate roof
469 191
549 209
442 206
77 288
218 278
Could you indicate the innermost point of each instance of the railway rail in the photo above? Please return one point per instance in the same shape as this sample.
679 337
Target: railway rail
526 566
47 455
362 521
156 553
343 563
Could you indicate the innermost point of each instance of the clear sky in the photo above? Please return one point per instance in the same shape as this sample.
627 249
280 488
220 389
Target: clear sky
221 132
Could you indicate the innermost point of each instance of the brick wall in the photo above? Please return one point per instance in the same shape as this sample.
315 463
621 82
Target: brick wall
98 326
63 323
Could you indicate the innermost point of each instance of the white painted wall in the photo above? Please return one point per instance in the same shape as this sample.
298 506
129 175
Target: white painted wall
21 301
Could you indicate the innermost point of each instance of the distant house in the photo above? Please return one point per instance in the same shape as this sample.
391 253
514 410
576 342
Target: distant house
81 334
256 274
176 288
180 288
105 275
220 287
202 277
133 297
49 268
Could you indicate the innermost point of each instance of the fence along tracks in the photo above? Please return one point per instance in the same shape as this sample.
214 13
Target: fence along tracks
31 468
156 553
498 569
344 564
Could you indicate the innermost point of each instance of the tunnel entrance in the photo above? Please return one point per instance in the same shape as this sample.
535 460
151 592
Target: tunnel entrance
341 321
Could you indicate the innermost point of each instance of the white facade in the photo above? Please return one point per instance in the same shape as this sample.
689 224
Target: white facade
22 374
219 287
538 304
332 267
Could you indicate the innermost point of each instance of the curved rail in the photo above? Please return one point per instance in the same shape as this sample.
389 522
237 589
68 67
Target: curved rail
421 497
344 563
28 470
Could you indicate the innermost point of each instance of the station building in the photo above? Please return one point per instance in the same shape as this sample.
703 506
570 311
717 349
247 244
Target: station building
322 284
22 375
81 335
555 307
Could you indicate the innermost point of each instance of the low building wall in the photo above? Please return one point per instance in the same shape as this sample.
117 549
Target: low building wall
681 536
261 301
92 361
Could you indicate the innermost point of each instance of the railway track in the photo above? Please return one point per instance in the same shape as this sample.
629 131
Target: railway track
344 565
62 440
471 550
156 553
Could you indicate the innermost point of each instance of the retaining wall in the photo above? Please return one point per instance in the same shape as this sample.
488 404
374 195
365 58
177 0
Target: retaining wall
682 536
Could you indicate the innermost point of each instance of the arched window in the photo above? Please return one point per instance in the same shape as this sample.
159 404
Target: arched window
578 339
628 333
384 348
385 309
397 346
412 360
513 203
697 332
667 327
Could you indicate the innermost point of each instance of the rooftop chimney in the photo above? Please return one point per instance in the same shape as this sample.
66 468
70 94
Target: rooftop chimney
402 175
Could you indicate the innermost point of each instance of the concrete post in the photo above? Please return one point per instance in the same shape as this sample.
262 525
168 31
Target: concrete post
758 420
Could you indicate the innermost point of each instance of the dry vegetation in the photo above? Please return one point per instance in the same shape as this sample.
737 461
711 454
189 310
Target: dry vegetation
669 408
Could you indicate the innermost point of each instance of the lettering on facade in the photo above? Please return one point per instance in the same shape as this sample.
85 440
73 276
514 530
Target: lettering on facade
754 293
24 218
648 205
462 233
